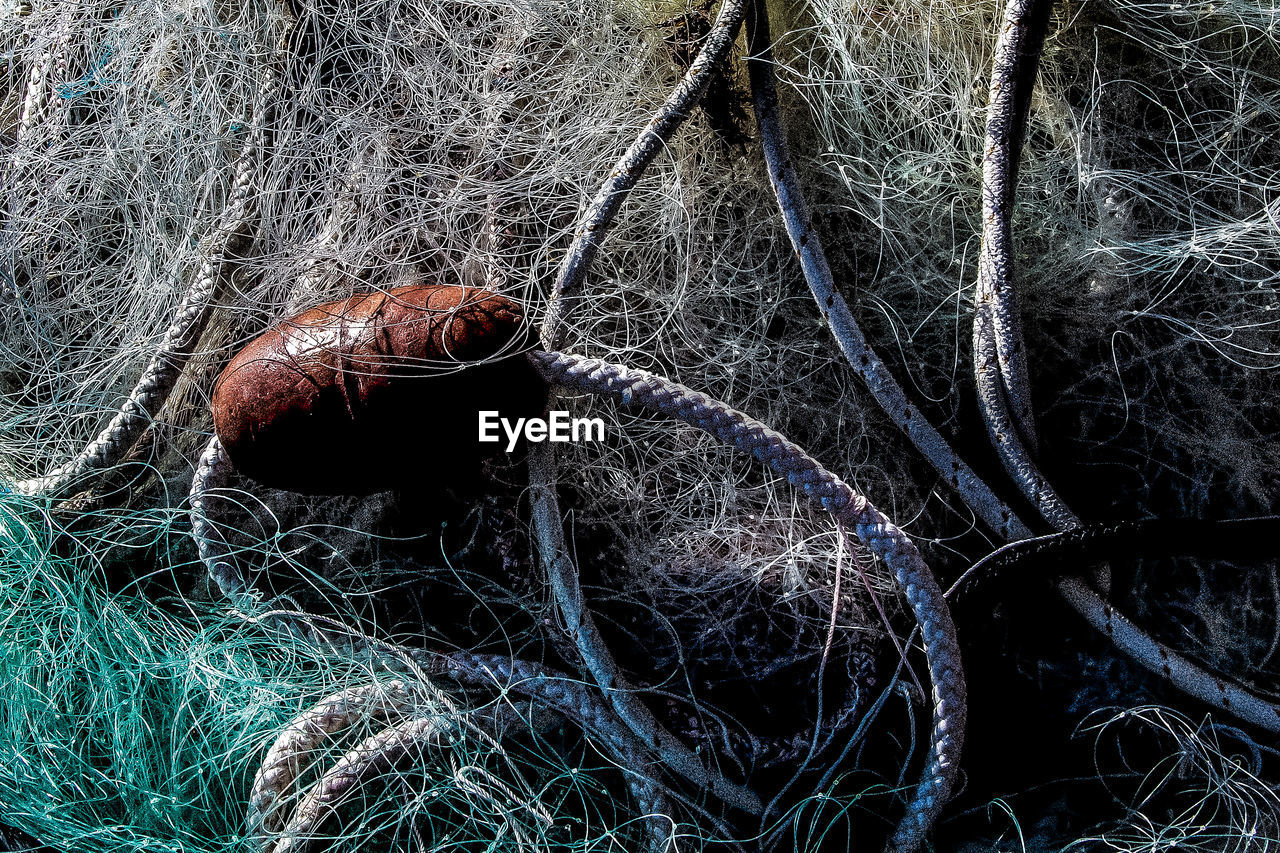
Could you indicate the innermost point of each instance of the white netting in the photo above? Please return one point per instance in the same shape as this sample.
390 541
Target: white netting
460 141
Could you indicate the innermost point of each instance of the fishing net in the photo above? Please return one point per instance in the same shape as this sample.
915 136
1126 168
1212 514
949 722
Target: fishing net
459 141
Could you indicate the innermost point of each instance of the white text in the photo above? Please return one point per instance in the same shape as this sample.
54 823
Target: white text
557 426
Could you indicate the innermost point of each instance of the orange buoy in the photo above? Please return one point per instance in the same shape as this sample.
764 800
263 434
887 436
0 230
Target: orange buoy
377 391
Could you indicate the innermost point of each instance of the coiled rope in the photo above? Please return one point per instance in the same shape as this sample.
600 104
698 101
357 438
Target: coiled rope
822 487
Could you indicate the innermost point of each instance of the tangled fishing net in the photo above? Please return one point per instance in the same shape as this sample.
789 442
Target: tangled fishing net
459 141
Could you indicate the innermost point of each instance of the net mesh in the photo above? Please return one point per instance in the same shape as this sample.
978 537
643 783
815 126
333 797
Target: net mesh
459 142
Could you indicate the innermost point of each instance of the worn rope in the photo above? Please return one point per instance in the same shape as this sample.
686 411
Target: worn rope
386 701
596 657
380 752
999 354
284 760
598 219
375 755
1164 661
212 470
870 368
48 66
557 691
1013 77
1013 73
561 693
1003 431
877 532
553 690
229 242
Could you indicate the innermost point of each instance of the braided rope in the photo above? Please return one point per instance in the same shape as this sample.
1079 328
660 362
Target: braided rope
230 241
38 90
999 354
1003 431
640 388
307 732
1013 73
929 796
572 700
553 690
817 273
375 755
51 62
558 691
595 654
805 744
626 172
211 472
378 753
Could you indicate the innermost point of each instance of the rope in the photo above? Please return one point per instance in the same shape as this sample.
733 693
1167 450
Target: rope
307 732
375 755
942 651
864 360
997 340
211 472
1013 74
231 240
49 64
626 172
999 355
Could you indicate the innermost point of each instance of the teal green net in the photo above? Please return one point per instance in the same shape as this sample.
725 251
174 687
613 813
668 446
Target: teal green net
136 722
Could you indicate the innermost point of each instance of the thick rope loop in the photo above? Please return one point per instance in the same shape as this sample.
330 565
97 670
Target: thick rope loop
877 532
558 692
